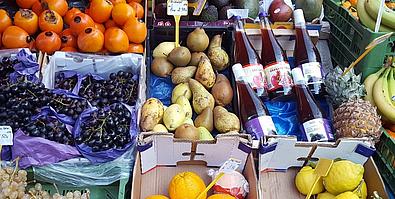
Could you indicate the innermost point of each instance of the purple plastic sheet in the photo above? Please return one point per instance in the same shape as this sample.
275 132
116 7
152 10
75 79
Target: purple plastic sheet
111 154
49 111
38 151
6 153
68 74
27 67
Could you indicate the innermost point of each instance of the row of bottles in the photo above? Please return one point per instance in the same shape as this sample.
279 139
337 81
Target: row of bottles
270 76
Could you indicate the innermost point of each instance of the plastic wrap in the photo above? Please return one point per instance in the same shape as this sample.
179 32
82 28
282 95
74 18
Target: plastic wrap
233 183
107 155
40 151
27 66
6 153
80 172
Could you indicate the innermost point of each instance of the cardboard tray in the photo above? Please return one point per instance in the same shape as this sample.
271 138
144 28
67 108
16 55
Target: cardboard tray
280 161
161 157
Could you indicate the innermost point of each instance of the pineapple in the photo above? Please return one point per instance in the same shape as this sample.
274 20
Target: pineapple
353 116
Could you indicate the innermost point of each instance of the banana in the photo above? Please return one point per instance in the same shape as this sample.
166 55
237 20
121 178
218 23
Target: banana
367 21
369 83
381 97
391 86
372 8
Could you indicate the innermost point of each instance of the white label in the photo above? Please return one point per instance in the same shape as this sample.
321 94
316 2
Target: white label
177 7
312 72
255 76
243 13
278 75
230 165
6 136
315 127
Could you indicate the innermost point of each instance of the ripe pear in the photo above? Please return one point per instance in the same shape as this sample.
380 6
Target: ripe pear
189 121
205 134
163 49
222 91
187 131
184 103
205 73
161 67
197 41
218 57
173 117
160 128
225 121
182 74
205 119
180 56
151 114
181 90
201 98
195 58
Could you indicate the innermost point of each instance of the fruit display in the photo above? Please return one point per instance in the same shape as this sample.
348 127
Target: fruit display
200 94
344 180
42 26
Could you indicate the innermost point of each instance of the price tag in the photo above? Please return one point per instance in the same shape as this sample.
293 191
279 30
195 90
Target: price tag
230 165
6 136
177 7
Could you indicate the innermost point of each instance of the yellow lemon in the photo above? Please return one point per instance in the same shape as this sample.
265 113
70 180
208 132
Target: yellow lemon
305 179
343 176
157 197
361 190
326 195
347 195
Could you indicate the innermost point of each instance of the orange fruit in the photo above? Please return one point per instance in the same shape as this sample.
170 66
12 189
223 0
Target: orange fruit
100 27
121 13
354 3
157 197
391 133
70 14
138 1
116 40
136 48
60 6
101 10
68 49
110 23
15 37
136 30
138 9
186 185
221 196
27 20
114 2
50 20
90 40
5 20
27 4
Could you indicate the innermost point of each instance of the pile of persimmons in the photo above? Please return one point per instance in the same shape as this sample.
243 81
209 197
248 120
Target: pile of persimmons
106 26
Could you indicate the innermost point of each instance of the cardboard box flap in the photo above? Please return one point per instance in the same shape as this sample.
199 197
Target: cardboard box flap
286 152
161 149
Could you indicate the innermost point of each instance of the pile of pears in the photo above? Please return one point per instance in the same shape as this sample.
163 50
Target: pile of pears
198 89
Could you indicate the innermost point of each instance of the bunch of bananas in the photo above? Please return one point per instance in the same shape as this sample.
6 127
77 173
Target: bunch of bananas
368 11
380 88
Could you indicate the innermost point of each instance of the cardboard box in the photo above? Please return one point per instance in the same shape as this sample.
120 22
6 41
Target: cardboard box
161 157
279 163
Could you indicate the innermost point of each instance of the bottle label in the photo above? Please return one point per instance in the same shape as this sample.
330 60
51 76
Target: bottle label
312 73
278 75
260 126
255 76
317 130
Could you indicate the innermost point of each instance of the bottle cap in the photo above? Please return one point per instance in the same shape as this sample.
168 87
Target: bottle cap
298 76
238 72
299 17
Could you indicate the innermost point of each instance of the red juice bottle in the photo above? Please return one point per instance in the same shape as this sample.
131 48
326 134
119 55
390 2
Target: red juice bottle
307 56
246 55
275 62
313 123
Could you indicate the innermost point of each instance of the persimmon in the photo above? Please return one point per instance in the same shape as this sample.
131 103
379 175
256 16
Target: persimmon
26 4
37 8
69 49
100 27
135 48
114 2
27 20
110 23
60 6
102 10
5 20
90 40
121 13
15 37
50 20
68 39
87 11
68 17
116 40
48 42
138 9
0 40
80 22
136 30
137 1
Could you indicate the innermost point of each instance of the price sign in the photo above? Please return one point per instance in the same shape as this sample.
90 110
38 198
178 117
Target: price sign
6 136
230 165
177 7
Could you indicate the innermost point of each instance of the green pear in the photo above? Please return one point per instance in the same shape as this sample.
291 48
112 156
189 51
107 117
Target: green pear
184 103
179 90
205 73
189 121
160 128
205 134
173 117
187 131
201 97
225 121
205 119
